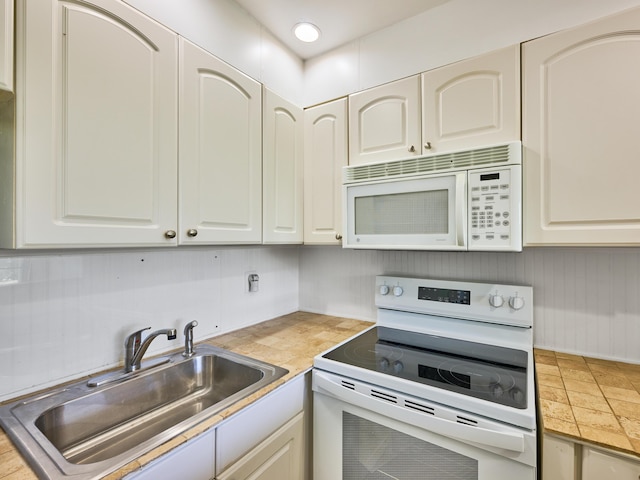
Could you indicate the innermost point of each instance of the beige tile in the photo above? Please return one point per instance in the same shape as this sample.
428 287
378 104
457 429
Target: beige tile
543 352
635 443
612 380
586 417
561 411
625 394
605 438
573 374
555 425
553 394
548 370
550 380
569 356
625 409
631 426
572 364
587 400
578 386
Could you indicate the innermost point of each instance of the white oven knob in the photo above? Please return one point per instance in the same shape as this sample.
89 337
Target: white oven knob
496 301
516 302
384 289
398 291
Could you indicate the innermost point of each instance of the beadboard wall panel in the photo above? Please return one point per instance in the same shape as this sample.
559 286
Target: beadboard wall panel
587 300
65 315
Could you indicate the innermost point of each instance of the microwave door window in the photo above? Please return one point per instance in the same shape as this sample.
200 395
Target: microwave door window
407 213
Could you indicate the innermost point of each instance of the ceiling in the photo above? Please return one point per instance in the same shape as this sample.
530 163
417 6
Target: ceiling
339 21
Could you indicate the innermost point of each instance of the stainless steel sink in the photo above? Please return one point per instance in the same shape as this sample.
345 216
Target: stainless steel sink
85 432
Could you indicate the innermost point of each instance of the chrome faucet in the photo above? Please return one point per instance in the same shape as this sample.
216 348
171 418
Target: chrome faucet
135 348
188 338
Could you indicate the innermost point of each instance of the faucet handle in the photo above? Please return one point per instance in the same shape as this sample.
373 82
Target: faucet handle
134 339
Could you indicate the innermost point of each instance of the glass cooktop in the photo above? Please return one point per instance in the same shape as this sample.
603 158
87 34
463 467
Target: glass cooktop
492 373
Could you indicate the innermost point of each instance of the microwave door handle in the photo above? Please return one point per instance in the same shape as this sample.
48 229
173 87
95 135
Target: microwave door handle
461 209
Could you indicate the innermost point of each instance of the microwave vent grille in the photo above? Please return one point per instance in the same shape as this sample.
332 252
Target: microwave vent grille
460 160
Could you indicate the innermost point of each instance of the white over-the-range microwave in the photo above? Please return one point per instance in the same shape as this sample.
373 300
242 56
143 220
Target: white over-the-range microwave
462 200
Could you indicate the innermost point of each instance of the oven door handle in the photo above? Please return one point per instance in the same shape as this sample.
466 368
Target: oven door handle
514 442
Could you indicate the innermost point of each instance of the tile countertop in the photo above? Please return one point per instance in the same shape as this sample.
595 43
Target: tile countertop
290 341
590 400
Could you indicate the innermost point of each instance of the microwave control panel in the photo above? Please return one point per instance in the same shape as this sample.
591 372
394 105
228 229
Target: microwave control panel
495 208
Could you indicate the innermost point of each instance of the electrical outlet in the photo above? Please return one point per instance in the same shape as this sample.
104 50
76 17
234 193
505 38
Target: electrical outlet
252 282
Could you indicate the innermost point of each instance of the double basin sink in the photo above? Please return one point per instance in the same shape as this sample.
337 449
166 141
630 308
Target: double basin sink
85 432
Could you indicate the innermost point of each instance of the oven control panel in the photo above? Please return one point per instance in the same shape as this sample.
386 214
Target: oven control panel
486 302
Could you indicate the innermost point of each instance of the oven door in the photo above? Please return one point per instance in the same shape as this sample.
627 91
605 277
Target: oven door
376 436
428 213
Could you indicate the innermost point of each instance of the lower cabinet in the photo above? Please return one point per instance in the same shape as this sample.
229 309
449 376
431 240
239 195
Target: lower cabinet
564 459
193 460
598 465
279 457
560 459
269 440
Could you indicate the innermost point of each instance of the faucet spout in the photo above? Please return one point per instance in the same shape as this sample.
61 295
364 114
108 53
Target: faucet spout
135 348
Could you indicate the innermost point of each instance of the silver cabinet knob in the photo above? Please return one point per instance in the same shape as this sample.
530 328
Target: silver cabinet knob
427 145
192 232
338 236
170 234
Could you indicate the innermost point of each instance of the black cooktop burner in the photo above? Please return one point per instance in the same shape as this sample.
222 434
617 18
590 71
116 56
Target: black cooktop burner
495 374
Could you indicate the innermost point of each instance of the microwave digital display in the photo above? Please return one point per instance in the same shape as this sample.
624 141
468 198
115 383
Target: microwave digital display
490 176
462 297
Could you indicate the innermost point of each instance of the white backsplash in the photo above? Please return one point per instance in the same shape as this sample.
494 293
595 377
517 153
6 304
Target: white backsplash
66 314
63 315
587 300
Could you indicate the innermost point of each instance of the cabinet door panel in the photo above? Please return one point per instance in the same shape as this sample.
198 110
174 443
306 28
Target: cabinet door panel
472 103
282 164
6 48
384 122
220 151
325 154
599 465
580 106
279 457
97 126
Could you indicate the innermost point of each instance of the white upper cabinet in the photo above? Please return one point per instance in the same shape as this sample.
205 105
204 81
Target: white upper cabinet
384 122
282 164
472 103
96 126
325 153
220 151
6 48
581 105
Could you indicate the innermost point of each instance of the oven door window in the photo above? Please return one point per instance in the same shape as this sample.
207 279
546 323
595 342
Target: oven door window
375 452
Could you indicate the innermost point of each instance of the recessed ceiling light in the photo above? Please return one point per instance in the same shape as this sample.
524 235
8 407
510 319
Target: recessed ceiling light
306 32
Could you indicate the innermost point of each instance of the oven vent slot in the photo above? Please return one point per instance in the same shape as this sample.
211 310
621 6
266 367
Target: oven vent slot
477 157
419 407
384 396
466 421
349 385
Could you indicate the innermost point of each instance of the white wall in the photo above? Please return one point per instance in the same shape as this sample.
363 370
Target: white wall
587 301
226 30
64 315
450 32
